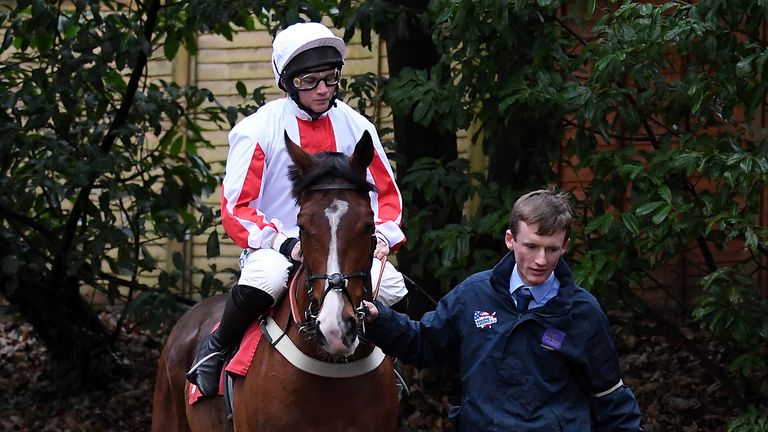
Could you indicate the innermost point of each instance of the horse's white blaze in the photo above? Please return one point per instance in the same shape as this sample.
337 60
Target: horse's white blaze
330 319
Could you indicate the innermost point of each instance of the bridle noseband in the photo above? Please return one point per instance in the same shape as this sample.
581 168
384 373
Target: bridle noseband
336 282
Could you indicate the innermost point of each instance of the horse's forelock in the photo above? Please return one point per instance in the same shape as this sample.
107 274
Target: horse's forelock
328 165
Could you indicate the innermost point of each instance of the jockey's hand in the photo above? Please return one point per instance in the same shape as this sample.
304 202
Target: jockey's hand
382 248
296 254
373 312
290 247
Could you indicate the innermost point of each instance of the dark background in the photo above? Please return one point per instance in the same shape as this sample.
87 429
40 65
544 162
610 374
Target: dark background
674 392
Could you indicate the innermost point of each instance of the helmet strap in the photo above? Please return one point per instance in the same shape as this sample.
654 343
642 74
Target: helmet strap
294 94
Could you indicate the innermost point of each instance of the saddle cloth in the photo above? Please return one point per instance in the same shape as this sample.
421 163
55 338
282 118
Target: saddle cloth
238 364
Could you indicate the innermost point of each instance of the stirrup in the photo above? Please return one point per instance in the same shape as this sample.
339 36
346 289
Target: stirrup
197 365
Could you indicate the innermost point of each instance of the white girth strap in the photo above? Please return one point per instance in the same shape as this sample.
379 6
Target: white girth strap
316 367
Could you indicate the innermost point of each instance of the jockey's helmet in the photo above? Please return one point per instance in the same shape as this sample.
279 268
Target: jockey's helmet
303 47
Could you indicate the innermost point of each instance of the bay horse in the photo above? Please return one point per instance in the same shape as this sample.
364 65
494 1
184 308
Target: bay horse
339 382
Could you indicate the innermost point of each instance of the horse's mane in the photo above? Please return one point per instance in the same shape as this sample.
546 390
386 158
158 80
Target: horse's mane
328 165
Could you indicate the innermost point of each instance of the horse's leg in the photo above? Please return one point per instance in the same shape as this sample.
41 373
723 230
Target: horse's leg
168 411
171 412
253 401
208 415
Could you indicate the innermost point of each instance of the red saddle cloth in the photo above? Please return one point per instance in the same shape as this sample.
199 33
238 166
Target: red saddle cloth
239 363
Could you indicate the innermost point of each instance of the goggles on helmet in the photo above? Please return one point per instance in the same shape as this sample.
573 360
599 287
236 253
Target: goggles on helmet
310 81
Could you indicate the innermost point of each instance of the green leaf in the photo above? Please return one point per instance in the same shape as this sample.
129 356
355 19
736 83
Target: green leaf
631 222
149 261
589 8
241 90
648 207
212 245
661 214
249 24
176 146
751 239
178 261
601 223
665 193
746 165
171 46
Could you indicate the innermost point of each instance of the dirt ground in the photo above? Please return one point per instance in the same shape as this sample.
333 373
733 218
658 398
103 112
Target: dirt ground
674 392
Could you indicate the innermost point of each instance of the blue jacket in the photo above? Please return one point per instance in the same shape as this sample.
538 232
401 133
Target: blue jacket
552 368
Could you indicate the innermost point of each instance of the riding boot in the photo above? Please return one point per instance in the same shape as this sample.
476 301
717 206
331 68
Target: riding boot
209 358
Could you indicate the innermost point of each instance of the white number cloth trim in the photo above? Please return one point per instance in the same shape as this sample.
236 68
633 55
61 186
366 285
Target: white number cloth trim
610 390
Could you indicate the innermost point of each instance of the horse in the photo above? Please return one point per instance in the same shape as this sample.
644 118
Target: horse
314 371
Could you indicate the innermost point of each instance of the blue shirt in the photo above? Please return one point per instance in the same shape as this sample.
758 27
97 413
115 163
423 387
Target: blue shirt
542 293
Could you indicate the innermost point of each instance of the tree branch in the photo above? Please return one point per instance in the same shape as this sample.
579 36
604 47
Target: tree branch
117 123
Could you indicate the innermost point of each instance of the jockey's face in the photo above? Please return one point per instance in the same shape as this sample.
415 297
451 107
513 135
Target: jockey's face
317 88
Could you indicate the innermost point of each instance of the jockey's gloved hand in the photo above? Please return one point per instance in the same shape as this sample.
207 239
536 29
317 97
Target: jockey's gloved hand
290 247
296 253
382 247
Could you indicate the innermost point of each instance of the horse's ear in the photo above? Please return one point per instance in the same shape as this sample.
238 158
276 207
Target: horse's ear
363 155
301 159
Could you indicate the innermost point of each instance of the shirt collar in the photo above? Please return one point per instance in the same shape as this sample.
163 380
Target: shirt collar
539 292
298 112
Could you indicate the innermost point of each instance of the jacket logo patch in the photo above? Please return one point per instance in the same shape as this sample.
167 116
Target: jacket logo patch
484 319
552 339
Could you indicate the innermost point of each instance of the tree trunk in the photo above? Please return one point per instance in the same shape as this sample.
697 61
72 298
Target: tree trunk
521 161
414 48
76 340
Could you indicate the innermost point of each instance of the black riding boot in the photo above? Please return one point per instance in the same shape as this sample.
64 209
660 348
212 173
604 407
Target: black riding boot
209 358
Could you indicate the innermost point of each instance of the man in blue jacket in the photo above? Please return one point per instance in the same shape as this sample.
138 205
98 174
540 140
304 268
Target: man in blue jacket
535 350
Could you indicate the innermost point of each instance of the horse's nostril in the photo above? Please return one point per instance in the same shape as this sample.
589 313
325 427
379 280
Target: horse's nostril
350 329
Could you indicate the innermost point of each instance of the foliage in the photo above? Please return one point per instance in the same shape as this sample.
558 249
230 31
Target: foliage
677 89
686 182
455 247
484 82
101 161
752 421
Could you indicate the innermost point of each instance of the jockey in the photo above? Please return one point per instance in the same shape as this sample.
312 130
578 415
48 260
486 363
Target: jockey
257 209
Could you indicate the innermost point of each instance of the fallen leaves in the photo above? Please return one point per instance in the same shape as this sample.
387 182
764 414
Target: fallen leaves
674 392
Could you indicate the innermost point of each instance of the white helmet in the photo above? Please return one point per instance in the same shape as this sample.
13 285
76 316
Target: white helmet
301 37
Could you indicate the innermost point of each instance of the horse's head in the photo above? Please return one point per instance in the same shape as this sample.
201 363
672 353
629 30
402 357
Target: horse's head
336 231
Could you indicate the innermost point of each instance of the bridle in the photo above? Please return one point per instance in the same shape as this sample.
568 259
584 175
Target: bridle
336 281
